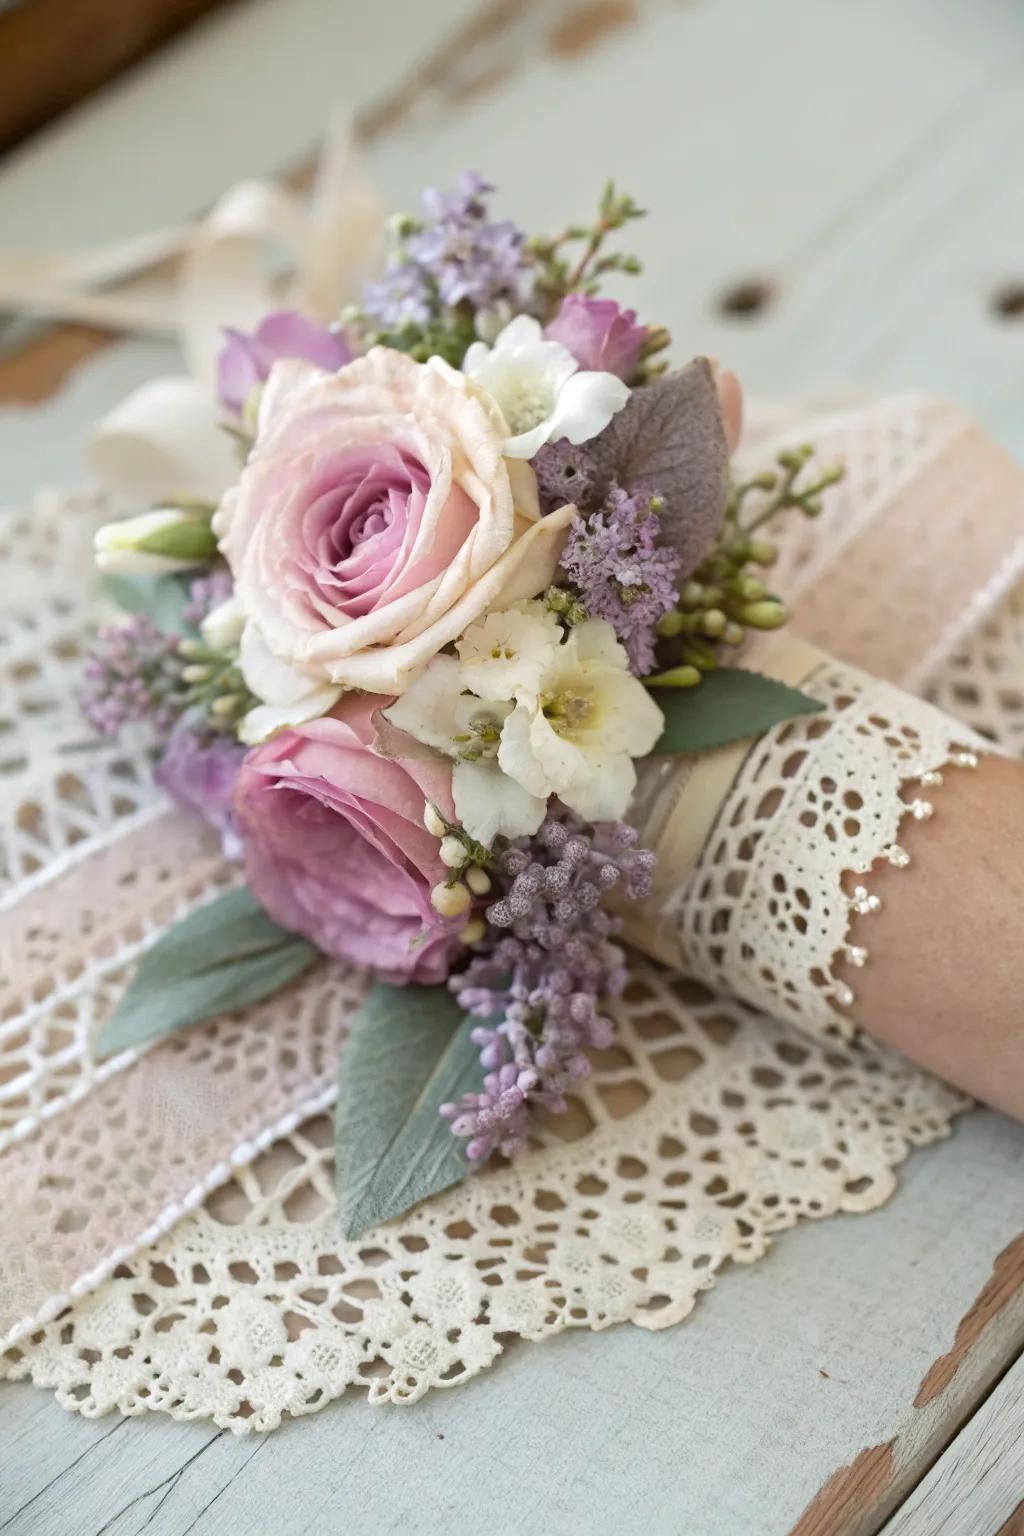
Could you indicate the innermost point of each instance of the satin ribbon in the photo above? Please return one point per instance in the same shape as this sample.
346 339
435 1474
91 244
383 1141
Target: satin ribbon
679 800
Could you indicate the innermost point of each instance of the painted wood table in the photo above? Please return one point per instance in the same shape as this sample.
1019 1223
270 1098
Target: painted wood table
840 204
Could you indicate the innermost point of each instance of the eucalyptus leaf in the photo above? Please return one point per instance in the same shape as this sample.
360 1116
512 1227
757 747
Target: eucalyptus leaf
162 598
727 705
409 1052
669 440
222 957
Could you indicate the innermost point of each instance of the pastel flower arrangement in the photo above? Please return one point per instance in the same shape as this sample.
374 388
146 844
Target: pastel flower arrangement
482 553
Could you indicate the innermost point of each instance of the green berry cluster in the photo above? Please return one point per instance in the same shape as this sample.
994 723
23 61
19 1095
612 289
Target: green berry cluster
215 684
576 260
725 597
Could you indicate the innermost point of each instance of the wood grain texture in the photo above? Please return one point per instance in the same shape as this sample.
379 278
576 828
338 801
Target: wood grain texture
1000 1292
849 1500
976 1487
53 53
858 1497
39 366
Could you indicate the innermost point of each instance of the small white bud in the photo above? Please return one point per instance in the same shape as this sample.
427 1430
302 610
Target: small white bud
197 673
453 852
478 880
473 931
450 900
154 543
223 625
433 821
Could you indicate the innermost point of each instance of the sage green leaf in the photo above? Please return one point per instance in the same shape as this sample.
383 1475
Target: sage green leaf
409 1052
222 957
162 598
728 705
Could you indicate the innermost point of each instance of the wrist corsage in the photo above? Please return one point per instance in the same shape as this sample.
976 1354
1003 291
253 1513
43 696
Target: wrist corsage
483 553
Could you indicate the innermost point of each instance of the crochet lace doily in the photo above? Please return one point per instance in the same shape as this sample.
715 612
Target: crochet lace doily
167 1233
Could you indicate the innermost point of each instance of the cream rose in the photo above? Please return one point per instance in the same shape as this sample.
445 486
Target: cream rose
375 520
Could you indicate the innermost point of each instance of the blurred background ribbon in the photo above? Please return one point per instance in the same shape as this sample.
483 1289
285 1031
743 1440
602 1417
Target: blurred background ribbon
262 246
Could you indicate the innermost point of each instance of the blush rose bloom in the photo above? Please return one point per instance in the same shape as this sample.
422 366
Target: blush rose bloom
599 334
375 520
335 847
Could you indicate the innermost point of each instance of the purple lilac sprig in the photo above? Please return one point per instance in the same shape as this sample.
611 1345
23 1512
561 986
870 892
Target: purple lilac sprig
139 672
205 593
134 672
622 573
565 474
447 274
544 970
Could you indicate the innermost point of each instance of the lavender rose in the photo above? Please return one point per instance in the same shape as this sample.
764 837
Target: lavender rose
599 334
245 359
335 846
376 518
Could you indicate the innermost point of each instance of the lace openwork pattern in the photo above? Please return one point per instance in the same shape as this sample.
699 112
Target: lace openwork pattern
817 803
168 1236
706 1129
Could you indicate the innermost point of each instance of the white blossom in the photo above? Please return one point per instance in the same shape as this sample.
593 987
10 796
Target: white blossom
541 390
569 722
577 734
508 650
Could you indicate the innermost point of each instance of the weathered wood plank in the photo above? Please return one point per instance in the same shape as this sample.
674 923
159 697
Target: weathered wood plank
52 54
977 1487
725 1426
859 1496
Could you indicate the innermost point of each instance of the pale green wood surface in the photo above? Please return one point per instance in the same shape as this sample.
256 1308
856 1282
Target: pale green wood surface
864 160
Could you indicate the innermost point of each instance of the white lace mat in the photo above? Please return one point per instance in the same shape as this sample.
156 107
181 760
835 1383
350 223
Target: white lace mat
167 1231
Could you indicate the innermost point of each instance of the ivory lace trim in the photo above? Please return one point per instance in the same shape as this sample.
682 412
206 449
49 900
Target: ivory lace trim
708 1127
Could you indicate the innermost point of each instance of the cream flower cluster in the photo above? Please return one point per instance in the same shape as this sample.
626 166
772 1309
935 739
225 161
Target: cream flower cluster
528 710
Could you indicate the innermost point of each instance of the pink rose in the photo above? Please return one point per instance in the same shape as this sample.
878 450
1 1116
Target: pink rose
599 334
376 518
335 846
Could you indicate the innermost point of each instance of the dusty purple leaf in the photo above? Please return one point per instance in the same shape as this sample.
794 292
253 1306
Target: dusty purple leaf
669 438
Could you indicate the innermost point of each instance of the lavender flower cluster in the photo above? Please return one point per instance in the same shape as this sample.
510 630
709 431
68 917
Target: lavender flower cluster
546 965
455 256
205 593
134 672
622 572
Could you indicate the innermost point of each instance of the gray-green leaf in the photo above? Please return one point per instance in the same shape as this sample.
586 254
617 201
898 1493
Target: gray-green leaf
221 957
409 1053
728 705
162 598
